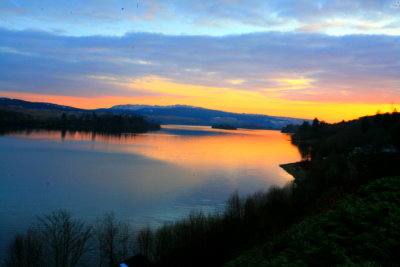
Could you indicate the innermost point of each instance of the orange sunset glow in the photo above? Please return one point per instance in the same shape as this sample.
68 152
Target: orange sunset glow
302 65
199 133
227 100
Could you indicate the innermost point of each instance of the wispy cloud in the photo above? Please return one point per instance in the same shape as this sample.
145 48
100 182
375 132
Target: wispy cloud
298 66
257 56
206 17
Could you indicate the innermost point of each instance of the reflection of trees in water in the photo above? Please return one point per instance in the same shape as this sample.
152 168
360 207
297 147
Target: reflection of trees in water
71 134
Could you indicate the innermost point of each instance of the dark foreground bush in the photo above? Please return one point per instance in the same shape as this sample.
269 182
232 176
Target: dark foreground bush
364 230
212 240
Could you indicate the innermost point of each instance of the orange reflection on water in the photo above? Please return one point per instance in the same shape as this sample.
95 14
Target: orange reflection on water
199 148
231 150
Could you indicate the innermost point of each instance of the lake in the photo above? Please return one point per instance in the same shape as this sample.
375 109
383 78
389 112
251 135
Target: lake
145 179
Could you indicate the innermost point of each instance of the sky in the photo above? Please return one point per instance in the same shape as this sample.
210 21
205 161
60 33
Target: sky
333 60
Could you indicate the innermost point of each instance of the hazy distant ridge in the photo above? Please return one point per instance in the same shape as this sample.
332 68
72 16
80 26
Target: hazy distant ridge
34 105
190 115
174 114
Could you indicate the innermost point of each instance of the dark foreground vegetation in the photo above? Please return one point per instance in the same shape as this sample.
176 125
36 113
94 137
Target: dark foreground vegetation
339 211
11 120
362 230
59 240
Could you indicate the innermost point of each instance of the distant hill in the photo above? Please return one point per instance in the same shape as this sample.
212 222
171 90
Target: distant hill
189 115
17 115
175 114
34 105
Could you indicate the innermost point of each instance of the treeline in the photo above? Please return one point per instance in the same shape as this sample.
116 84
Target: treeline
197 240
343 156
59 240
290 128
362 230
107 123
223 126
368 134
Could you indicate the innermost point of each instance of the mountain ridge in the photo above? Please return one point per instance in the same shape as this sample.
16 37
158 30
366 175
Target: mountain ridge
172 114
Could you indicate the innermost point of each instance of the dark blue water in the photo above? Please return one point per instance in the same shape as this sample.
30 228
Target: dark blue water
145 179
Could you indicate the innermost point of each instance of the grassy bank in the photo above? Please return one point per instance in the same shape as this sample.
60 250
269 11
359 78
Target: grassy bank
363 230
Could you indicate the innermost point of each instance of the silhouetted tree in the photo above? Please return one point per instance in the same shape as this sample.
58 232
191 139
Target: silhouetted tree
144 241
26 250
114 240
234 207
65 240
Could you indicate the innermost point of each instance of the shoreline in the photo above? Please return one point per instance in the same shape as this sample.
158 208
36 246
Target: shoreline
295 169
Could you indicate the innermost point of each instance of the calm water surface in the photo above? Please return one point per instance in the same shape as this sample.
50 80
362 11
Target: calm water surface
146 179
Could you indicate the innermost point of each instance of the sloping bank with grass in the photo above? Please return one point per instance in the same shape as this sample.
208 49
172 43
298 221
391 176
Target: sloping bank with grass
363 230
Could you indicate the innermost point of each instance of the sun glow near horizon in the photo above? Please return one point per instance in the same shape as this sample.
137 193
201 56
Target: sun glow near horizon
332 60
165 92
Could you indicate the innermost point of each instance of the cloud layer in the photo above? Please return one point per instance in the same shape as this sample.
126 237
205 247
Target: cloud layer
295 66
250 54
209 17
